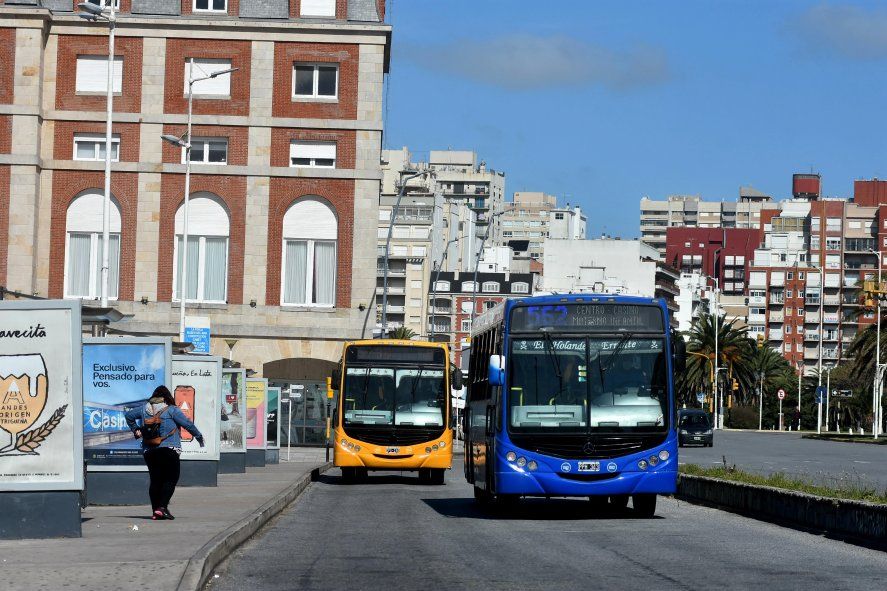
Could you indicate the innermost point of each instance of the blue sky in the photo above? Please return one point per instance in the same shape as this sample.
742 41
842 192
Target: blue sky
603 102
148 360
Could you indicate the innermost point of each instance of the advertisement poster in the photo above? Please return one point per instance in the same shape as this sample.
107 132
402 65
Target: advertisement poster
119 374
233 415
196 385
273 405
256 413
40 430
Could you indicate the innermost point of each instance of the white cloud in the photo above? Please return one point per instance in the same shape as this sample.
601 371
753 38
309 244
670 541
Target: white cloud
153 358
526 61
849 31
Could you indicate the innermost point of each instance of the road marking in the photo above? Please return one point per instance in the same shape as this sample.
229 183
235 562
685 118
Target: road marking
860 462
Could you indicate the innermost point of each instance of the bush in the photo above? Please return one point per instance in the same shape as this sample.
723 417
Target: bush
742 417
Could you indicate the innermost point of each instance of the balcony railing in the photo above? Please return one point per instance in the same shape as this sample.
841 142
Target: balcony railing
831 300
831 318
776 316
775 335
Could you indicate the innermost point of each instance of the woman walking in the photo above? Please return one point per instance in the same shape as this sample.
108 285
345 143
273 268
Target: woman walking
157 424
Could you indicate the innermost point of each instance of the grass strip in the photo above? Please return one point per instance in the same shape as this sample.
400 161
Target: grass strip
849 491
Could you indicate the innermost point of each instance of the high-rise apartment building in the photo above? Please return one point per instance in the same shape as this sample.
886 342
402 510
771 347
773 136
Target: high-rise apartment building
444 219
531 217
285 172
692 212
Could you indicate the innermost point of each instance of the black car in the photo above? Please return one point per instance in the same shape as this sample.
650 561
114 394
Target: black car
694 428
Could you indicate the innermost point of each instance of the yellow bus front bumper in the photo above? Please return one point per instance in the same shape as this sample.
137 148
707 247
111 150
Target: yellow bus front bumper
393 457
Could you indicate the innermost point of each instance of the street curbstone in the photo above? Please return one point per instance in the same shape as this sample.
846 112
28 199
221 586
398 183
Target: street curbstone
211 554
847 518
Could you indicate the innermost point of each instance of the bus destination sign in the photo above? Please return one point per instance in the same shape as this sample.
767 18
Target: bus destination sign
394 354
587 318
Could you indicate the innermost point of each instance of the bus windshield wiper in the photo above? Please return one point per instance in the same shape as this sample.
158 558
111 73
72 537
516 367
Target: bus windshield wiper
554 360
415 383
616 351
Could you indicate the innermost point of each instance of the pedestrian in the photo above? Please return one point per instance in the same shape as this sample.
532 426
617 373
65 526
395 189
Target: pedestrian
157 424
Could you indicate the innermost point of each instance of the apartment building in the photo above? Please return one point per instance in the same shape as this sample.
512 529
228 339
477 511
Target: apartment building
723 254
531 217
285 167
454 294
627 267
690 211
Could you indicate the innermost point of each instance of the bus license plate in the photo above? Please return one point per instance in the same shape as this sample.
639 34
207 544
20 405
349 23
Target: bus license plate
589 466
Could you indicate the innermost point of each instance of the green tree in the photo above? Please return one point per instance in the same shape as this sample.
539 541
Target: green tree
403 333
735 352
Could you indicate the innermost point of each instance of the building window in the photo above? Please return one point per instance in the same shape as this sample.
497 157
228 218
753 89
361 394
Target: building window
801 275
310 234
313 154
83 252
315 80
466 325
321 8
210 5
558 216
92 147
520 287
790 275
208 228
468 286
218 87
207 150
489 304
490 286
442 286
104 3
92 74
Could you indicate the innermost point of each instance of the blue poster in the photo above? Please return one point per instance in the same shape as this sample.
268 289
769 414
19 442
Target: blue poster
199 337
116 378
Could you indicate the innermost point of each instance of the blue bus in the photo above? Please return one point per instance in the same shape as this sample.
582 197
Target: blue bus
573 395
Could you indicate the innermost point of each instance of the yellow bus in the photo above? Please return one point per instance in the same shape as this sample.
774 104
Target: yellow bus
393 408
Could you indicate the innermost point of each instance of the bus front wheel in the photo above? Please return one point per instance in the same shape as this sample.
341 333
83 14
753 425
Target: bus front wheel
644 505
437 476
482 497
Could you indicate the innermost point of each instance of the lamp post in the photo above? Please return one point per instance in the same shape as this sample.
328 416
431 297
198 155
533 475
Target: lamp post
800 375
400 194
876 387
182 143
437 270
107 13
480 251
828 392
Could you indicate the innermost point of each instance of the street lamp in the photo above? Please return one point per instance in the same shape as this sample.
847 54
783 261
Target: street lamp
828 392
480 251
186 144
400 194
437 271
105 13
876 387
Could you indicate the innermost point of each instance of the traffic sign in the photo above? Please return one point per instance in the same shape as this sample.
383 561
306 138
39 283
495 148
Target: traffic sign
820 394
781 394
700 397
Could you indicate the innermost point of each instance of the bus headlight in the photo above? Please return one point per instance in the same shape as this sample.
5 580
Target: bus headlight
344 442
434 447
356 448
511 456
642 464
428 450
663 455
653 460
443 444
521 462
531 466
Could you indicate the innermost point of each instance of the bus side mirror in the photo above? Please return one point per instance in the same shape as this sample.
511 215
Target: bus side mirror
680 353
456 380
496 372
337 379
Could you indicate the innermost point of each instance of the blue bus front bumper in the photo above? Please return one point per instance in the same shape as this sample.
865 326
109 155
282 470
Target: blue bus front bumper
619 476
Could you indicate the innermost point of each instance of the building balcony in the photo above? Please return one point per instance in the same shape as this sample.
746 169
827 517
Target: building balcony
775 334
391 309
811 337
444 311
831 300
811 319
757 318
391 290
776 301
439 328
757 301
830 337
777 281
777 316
392 272
831 318
829 353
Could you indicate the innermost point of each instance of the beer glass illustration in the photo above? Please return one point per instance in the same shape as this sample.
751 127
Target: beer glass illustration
23 388
185 401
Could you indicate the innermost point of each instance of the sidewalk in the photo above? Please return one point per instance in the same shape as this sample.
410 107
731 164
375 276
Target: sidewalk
113 554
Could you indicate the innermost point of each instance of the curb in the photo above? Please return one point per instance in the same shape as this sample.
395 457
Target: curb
852 519
211 554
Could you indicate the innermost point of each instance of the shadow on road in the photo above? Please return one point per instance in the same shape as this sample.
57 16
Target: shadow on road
528 510
372 479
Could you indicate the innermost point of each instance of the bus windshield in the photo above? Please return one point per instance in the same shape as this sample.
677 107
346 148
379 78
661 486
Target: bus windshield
394 396
592 384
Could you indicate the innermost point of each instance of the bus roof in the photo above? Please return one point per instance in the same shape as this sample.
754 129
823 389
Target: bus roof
395 343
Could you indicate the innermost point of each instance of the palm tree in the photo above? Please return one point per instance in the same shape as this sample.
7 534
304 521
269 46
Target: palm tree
735 350
403 333
768 364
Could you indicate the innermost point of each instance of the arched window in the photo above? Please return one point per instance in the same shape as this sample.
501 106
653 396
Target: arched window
520 287
310 230
442 286
468 286
490 286
83 253
208 228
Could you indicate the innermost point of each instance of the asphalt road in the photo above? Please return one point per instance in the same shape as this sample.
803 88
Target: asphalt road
395 534
825 462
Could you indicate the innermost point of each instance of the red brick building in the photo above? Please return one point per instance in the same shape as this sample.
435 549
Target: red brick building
723 253
285 167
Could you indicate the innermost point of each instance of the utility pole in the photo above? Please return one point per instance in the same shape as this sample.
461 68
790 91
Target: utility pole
480 252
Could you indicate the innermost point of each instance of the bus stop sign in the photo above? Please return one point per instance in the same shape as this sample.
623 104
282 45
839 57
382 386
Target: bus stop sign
700 397
781 394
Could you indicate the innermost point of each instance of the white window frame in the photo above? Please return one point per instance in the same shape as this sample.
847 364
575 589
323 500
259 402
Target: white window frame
465 325
316 79
309 271
520 287
206 141
294 144
200 72
201 269
99 143
104 3
490 287
468 287
303 14
95 252
116 83
441 285
209 8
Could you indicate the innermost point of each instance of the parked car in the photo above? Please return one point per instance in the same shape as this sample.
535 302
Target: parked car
694 428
